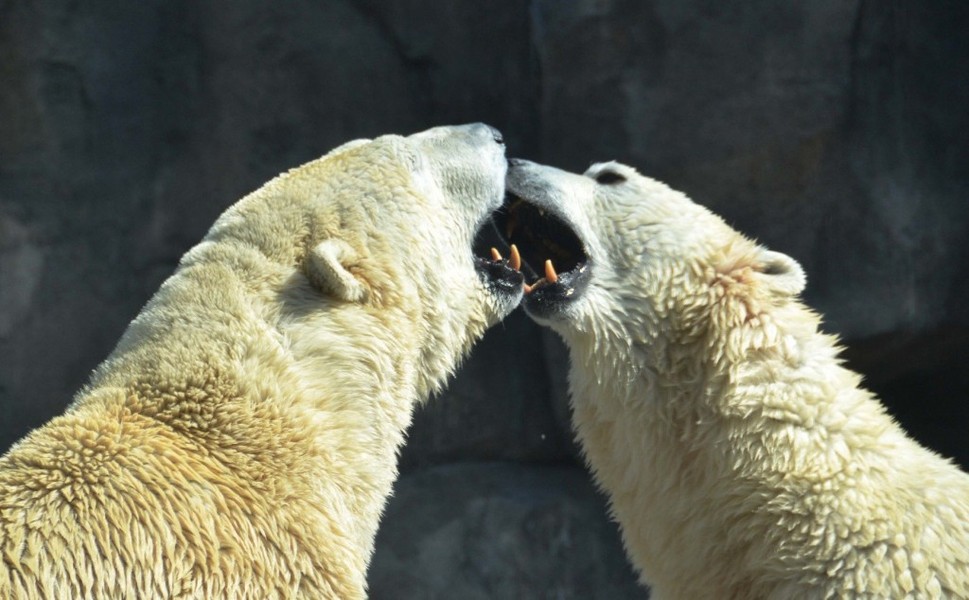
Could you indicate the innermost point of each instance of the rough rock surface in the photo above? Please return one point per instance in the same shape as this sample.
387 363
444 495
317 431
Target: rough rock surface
499 530
832 131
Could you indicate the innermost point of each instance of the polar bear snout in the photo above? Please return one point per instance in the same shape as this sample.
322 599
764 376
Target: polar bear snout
475 134
554 254
473 167
494 133
484 131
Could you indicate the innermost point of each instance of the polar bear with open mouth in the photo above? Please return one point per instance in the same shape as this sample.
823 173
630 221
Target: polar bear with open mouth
242 438
741 459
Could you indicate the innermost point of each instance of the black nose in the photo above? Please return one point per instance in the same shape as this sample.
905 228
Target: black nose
483 129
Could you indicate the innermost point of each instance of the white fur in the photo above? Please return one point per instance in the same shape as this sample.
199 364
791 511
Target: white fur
241 439
741 459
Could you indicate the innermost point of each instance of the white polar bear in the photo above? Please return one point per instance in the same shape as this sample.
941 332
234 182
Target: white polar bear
741 459
241 440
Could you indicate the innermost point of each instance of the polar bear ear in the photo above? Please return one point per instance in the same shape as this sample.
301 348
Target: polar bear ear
781 273
326 267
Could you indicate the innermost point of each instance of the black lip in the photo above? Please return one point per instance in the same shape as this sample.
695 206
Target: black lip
541 235
499 276
552 298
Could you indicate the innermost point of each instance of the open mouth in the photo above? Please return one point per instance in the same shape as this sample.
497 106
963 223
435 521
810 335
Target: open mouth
502 276
552 255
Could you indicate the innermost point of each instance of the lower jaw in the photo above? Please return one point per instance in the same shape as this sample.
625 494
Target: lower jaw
543 308
555 299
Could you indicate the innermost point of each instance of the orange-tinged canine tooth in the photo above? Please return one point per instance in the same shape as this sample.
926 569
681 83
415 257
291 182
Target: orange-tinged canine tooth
495 255
550 272
538 283
528 288
516 258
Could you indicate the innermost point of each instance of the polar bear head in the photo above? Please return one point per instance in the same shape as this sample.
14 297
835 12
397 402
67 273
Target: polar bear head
625 258
374 241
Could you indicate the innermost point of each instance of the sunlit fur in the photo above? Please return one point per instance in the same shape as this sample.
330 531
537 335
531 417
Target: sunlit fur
241 439
741 458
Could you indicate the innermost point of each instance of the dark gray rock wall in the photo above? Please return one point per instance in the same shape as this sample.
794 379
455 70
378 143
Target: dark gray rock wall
499 530
832 131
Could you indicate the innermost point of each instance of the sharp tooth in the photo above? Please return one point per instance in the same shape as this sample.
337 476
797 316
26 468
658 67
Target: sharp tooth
538 283
516 258
550 272
512 223
495 255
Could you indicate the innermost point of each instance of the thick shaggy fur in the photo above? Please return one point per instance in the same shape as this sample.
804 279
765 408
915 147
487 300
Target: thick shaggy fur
241 439
741 458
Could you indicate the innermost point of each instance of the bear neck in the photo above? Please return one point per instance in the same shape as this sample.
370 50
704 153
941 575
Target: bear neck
673 430
730 381
336 386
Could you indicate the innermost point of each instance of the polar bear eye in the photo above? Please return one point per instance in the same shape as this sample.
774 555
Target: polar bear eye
609 178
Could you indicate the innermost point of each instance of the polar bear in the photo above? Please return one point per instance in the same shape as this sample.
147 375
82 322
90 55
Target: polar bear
740 458
241 439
